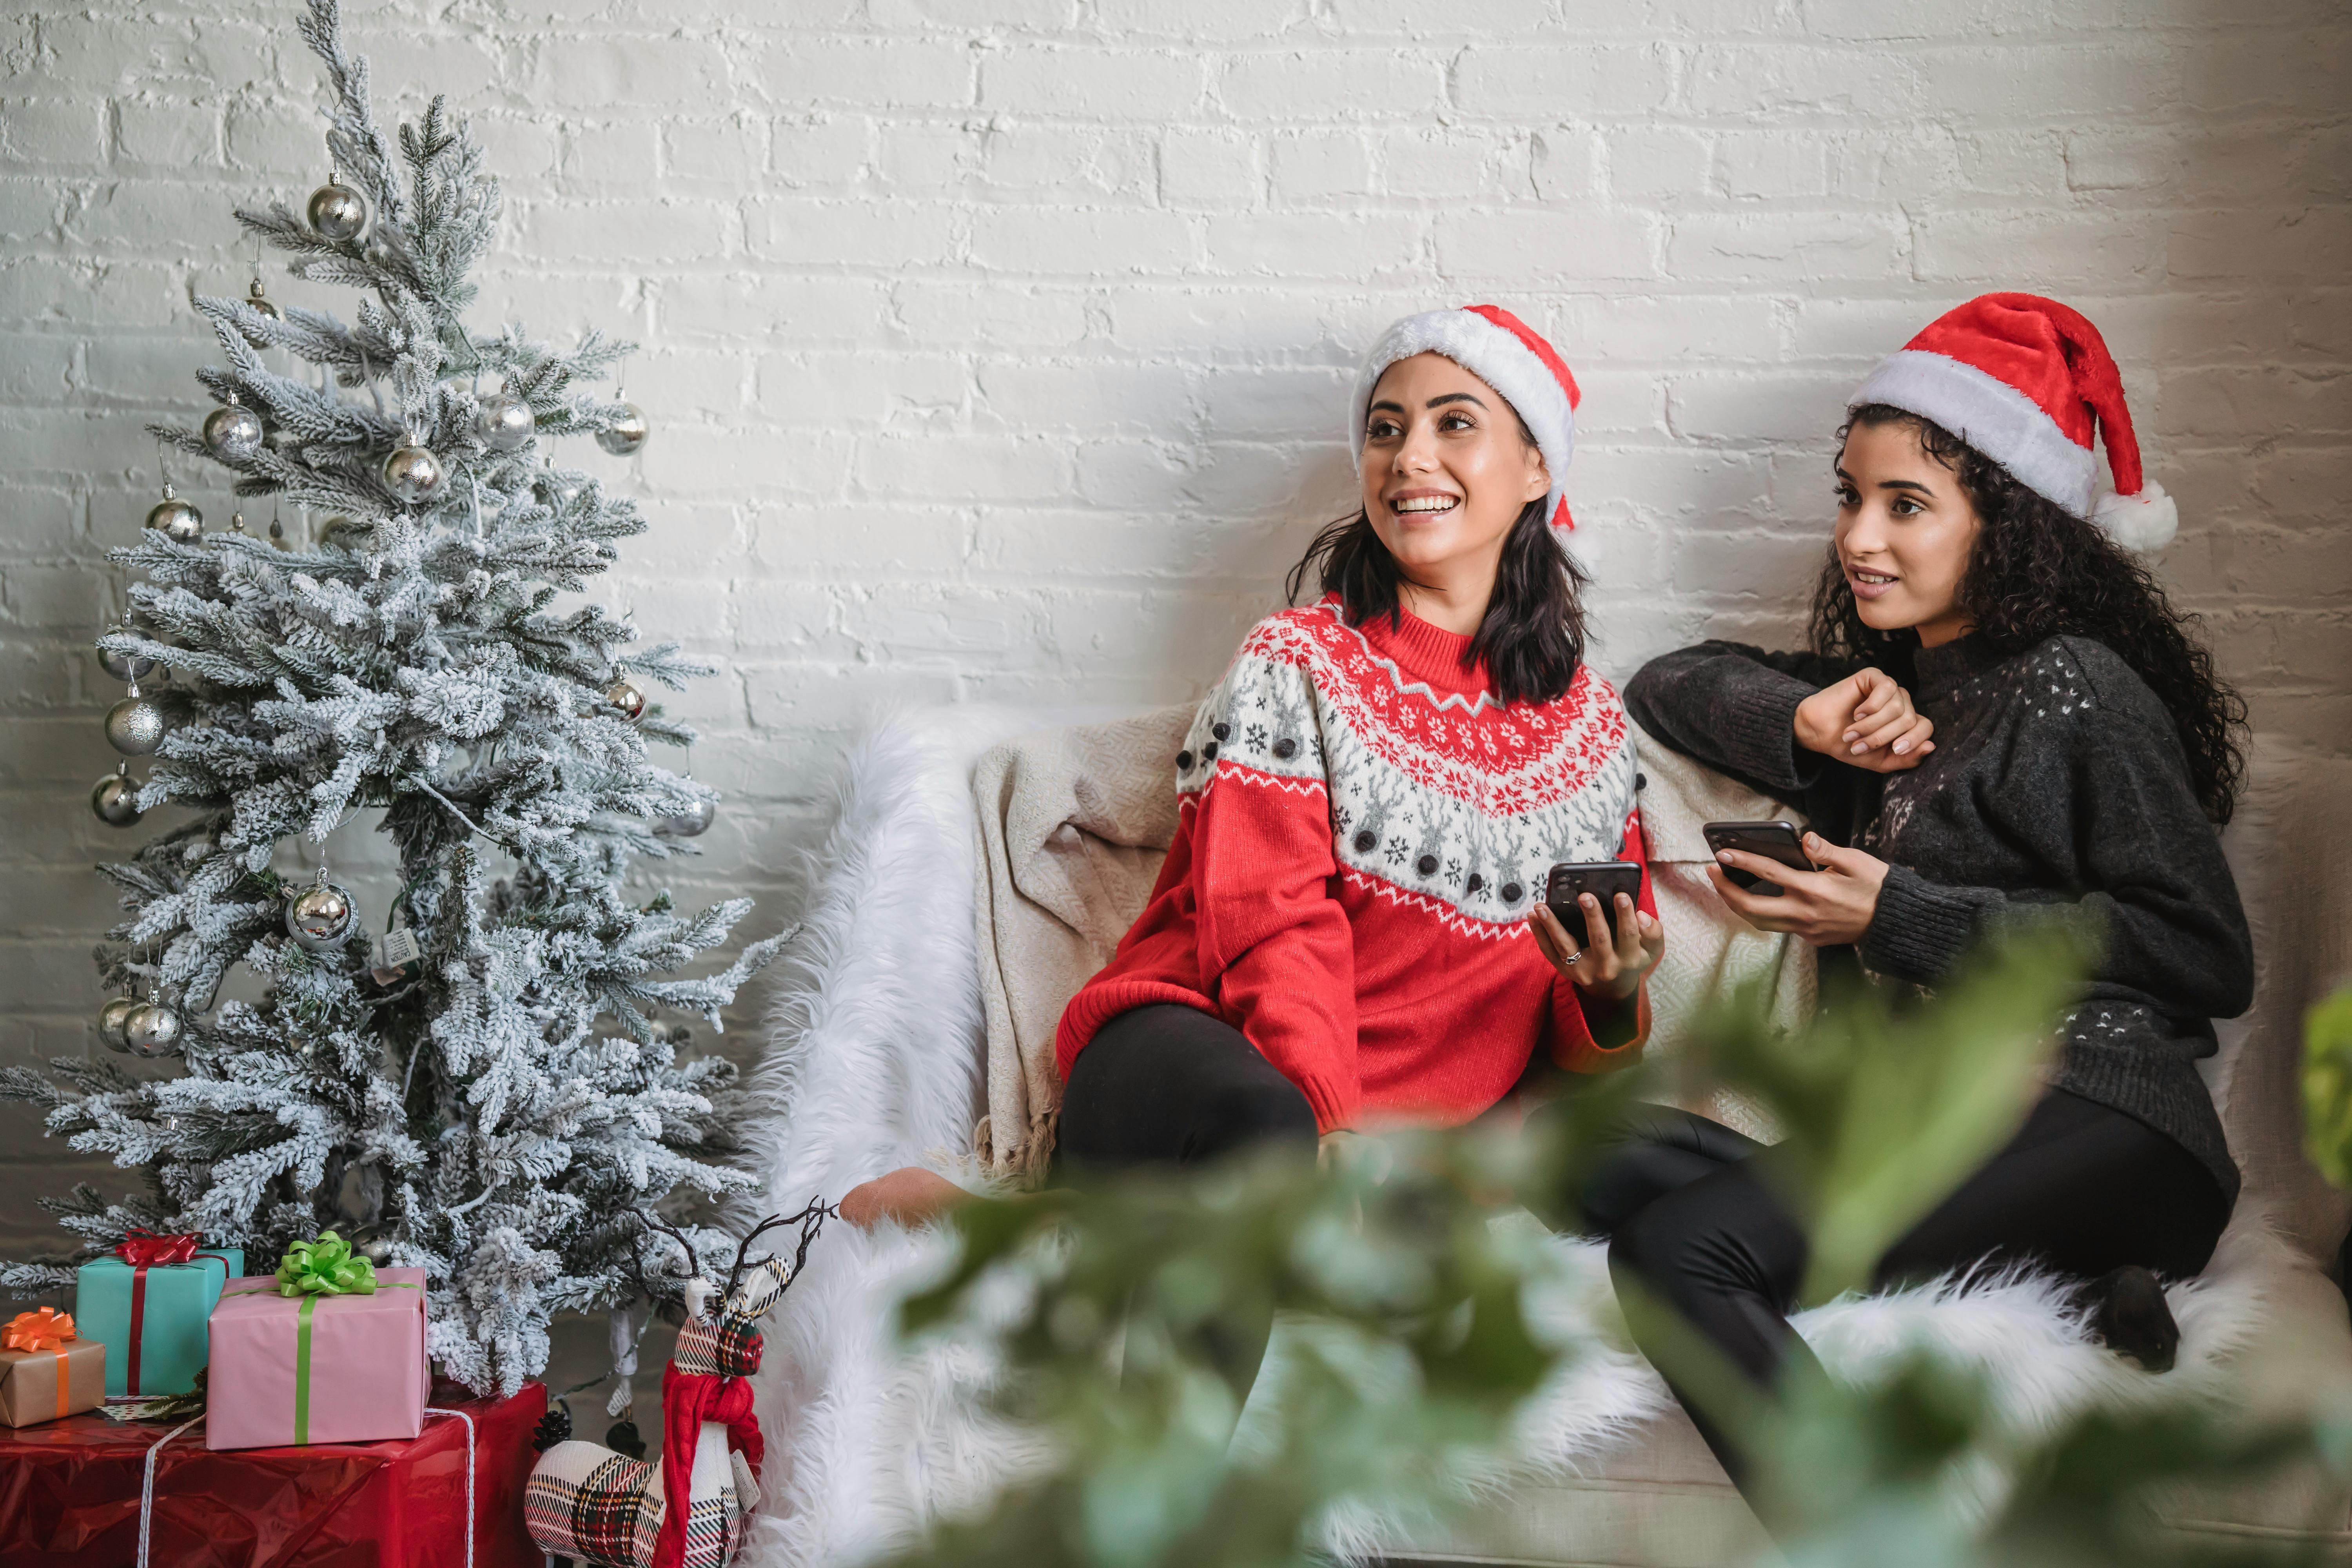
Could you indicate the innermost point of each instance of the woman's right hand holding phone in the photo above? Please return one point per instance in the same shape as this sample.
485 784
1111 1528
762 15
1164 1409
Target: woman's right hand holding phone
1867 721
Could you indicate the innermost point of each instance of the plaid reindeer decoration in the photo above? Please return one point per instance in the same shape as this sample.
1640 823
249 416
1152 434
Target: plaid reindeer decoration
586 1502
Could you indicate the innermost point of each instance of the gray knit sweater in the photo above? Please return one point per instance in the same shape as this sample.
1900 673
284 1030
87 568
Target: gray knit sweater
2057 779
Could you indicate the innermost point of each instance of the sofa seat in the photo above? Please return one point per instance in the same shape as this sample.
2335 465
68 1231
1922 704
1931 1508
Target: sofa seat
878 1056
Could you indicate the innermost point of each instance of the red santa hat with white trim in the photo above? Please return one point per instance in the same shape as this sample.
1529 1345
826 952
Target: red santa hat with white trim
1506 354
2029 383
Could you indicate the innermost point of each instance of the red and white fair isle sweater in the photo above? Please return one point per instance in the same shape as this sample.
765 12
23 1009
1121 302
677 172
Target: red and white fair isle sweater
1363 832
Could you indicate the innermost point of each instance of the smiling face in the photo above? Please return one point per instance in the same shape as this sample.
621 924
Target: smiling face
1447 471
1905 531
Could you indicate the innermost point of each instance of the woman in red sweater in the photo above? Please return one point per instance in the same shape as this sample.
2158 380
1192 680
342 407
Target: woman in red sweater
1349 929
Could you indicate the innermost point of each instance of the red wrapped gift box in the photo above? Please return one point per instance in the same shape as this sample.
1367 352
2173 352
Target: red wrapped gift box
69 1495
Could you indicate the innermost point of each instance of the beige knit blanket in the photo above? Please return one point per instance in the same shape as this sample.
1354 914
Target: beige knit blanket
1074 822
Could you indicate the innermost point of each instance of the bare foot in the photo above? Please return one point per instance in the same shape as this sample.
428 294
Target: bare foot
908 1197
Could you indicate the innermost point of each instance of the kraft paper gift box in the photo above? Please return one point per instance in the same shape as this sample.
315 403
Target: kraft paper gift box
47 1370
150 1315
317 1368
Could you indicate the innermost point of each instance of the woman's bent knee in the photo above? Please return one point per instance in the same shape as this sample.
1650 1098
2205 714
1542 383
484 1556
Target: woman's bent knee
1254 1114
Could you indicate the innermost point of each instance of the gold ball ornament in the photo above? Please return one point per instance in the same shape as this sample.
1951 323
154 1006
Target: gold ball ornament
320 917
115 798
232 433
151 1029
135 726
504 423
124 666
414 475
624 695
175 519
111 1019
692 823
627 434
337 211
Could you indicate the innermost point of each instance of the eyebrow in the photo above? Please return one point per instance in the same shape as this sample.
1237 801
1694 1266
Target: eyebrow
1891 484
1395 407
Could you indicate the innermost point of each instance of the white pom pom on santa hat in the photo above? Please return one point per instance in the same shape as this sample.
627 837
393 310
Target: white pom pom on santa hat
2140 524
2029 383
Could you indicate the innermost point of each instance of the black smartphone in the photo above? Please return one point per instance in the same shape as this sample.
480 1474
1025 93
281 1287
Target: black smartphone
1778 841
1604 880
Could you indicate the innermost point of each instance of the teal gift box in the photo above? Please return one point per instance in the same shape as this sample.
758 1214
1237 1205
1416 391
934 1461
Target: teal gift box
155 1317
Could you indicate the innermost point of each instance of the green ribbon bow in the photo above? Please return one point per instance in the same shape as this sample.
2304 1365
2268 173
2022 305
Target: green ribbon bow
327 1266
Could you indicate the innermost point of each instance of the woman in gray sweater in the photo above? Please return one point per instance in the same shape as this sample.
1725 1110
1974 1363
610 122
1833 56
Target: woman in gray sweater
2001 717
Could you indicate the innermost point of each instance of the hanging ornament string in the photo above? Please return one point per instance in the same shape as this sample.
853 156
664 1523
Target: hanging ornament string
173 518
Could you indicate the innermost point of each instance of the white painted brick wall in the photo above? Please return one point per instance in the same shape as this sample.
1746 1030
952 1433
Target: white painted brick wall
995 349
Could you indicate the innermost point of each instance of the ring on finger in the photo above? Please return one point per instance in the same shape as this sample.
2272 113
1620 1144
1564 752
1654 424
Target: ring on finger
1572 959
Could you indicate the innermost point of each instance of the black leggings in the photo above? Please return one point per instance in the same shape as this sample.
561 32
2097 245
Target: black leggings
2082 1189
1169 1084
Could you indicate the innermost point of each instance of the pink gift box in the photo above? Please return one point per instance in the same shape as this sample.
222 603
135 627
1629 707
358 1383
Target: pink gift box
317 1369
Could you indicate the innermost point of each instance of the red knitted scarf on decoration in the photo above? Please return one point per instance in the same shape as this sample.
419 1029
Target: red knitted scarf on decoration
689 1399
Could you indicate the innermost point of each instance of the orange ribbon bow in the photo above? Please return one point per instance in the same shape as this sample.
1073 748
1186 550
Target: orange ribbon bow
45 1330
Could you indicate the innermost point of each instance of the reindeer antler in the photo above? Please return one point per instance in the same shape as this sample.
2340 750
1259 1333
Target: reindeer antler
811 1220
654 1222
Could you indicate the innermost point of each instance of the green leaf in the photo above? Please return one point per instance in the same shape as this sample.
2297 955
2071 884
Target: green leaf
2328 1085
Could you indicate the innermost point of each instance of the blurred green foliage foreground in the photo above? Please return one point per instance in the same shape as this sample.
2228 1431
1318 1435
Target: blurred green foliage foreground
1130 1316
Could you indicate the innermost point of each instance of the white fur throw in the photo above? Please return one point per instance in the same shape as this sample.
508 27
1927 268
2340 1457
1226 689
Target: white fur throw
876 1061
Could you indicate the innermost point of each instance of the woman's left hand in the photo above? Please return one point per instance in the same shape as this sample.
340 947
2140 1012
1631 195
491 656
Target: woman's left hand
1828 908
1603 960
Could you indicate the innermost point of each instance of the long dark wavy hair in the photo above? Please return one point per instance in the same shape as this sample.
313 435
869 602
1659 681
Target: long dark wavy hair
2038 572
1532 640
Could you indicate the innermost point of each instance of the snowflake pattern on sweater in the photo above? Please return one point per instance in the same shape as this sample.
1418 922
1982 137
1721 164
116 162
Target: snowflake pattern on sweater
1458 800
1363 831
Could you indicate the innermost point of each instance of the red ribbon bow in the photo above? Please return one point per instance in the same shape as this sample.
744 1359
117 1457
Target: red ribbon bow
45 1329
144 1249
689 1399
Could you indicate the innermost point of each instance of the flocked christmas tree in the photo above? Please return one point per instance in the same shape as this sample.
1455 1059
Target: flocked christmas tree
490 1093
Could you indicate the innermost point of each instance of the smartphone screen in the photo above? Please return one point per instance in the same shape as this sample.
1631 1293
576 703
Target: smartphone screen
1778 841
1604 880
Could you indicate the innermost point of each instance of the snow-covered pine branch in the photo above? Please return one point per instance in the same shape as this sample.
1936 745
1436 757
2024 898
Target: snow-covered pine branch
494 1115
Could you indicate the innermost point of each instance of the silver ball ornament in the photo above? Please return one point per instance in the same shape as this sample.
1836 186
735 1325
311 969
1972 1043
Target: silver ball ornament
624 695
337 211
232 433
413 474
115 799
111 1019
504 423
260 300
320 917
135 726
627 434
692 823
376 1250
175 519
124 666
151 1029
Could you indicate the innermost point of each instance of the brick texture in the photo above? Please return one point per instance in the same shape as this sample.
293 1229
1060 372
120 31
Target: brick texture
997 349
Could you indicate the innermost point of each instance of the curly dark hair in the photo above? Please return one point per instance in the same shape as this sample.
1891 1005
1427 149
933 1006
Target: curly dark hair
1532 640
2039 571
